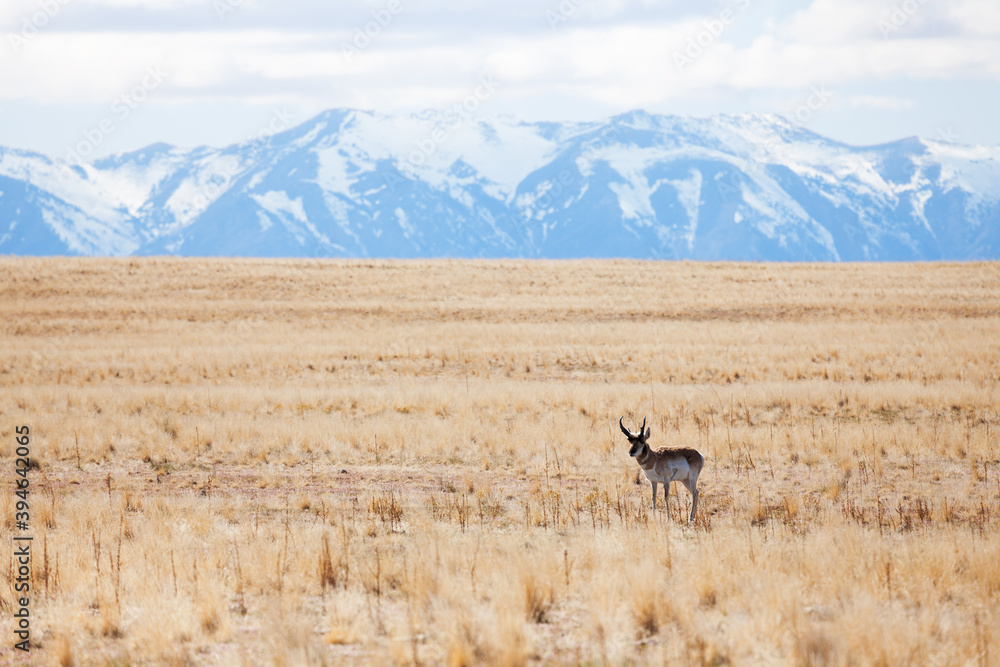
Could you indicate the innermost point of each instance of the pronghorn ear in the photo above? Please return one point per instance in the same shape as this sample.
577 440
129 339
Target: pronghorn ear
646 435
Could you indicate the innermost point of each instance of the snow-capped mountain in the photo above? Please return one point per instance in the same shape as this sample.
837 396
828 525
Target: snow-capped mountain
436 184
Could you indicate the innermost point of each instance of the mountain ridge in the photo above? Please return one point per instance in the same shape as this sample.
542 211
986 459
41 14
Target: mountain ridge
353 183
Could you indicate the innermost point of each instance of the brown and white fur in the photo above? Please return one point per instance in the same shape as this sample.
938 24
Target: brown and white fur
663 466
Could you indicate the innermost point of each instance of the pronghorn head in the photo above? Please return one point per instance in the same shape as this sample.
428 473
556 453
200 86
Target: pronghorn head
637 440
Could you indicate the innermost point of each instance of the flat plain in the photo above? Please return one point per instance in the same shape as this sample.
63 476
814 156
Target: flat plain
301 462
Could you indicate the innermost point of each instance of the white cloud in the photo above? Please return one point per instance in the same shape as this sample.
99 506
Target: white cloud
610 55
633 63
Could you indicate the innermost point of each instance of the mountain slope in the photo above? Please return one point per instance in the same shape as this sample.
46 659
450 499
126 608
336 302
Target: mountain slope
352 183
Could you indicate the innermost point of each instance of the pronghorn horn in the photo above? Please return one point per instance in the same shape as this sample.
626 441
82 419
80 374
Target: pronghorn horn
642 429
625 430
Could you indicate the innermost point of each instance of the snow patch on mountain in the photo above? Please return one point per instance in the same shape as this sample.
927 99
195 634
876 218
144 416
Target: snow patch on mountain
689 195
280 204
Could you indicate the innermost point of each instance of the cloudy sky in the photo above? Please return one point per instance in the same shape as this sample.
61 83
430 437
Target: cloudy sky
125 73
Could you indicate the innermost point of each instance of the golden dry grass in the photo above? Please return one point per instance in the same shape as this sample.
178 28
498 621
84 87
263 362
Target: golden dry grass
296 462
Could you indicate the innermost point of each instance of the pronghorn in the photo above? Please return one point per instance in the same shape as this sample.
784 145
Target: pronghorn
665 465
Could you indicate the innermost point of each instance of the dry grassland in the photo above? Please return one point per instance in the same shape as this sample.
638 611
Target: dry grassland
352 462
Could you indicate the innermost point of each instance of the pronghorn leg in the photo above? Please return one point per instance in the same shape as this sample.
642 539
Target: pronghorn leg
654 493
666 497
638 474
692 486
